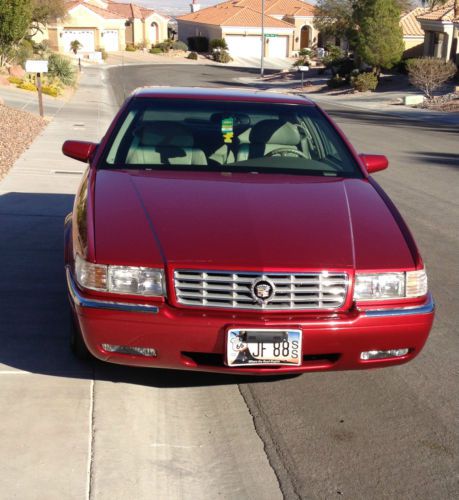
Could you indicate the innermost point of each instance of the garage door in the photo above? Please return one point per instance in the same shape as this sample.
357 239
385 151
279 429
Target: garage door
244 46
277 46
110 40
85 37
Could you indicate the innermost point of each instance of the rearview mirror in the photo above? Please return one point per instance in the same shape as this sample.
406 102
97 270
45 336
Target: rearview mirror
374 163
79 150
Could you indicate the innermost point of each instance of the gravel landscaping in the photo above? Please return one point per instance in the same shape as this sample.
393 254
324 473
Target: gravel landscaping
17 131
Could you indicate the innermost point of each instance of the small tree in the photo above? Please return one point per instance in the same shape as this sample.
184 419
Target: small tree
218 44
44 11
75 46
15 16
429 73
380 38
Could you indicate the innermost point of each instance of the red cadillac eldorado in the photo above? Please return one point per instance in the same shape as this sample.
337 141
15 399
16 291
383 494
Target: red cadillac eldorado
238 232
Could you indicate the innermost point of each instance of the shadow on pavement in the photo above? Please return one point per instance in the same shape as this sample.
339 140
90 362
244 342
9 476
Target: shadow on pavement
34 314
438 159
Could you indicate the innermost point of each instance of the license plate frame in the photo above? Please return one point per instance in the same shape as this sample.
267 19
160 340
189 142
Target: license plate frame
255 347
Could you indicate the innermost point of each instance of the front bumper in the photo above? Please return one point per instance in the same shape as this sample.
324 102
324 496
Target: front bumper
196 340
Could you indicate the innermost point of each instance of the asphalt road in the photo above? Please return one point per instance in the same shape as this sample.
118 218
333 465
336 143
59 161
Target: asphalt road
389 433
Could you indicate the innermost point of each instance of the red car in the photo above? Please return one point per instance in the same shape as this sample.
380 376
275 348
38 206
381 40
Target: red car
238 232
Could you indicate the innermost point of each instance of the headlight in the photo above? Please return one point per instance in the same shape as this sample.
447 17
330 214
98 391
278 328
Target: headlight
120 279
387 286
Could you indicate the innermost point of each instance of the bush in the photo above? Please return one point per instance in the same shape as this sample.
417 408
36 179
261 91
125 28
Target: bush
27 86
218 44
178 45
130 47
24 52
221 56
302 61
62 68
103 54
332 53
429 73
198 43
364 82
155 50
336 82
305 53
193 55
15 80
164 46
50 90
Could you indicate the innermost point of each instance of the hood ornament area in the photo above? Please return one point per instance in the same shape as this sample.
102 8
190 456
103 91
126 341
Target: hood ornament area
262 290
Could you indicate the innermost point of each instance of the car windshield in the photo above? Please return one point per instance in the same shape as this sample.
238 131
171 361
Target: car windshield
199 135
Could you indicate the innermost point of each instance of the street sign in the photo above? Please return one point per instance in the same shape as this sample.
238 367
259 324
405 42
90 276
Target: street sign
270 35
303 68
32 66
37 67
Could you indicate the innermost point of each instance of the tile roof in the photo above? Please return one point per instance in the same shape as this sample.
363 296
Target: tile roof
235 13
444 13
281 7
106 14
410 25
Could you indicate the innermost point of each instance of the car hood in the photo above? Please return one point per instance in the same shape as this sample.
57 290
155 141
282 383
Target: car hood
244 221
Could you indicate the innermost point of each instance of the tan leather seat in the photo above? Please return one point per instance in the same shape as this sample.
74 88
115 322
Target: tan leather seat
164 143
268 135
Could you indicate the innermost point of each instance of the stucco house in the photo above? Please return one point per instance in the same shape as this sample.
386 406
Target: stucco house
438 26
104 24
288 26
413 34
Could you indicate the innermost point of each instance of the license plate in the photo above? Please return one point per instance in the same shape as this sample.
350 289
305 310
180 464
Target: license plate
263 347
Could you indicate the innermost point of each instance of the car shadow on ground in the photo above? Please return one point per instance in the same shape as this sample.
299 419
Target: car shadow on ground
34 314
438 159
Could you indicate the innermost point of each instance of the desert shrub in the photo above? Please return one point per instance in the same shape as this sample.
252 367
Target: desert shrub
198 43
50 90
15 80
364 82
192 55
221 56
305 53
103 54
130 47
61 67
429 73
302 61
27 86
218 44
164 46
23 52
336 82
332 53
155 50
140 46
178 45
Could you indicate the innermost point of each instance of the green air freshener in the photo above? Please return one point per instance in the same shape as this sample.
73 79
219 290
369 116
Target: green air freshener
227 130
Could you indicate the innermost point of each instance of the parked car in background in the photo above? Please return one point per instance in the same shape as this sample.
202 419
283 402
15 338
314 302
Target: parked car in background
238 232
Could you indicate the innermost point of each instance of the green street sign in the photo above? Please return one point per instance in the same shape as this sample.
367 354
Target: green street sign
270 35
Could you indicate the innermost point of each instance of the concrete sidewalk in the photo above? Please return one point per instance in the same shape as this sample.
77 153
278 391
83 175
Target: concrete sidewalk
91 431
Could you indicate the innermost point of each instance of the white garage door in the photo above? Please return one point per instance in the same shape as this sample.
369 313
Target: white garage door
277 46
110 40
85 37
244 46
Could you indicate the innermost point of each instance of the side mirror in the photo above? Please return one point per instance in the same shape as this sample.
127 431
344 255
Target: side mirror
79 150
374 163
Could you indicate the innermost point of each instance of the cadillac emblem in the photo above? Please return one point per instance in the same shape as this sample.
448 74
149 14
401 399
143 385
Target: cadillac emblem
262 290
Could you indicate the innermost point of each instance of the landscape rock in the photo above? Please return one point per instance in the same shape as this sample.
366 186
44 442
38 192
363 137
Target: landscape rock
17 71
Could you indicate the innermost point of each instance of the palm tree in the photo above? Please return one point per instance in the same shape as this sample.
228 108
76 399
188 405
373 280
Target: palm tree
75 46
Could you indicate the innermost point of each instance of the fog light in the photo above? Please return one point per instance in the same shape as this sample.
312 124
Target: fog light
390 353
125 349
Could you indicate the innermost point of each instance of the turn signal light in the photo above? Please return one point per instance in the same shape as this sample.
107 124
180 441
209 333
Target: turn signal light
390 353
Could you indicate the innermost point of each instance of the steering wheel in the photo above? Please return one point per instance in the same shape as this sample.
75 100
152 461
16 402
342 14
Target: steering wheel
287 152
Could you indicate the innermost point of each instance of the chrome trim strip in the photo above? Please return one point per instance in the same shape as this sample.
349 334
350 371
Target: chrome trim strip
427 308
81 301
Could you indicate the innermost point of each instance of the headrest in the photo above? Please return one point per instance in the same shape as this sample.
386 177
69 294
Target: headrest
275 132
165 134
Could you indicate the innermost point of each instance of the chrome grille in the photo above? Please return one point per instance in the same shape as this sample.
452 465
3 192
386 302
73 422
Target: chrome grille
299 291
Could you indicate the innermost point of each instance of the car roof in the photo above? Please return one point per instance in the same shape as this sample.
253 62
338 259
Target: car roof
220 94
